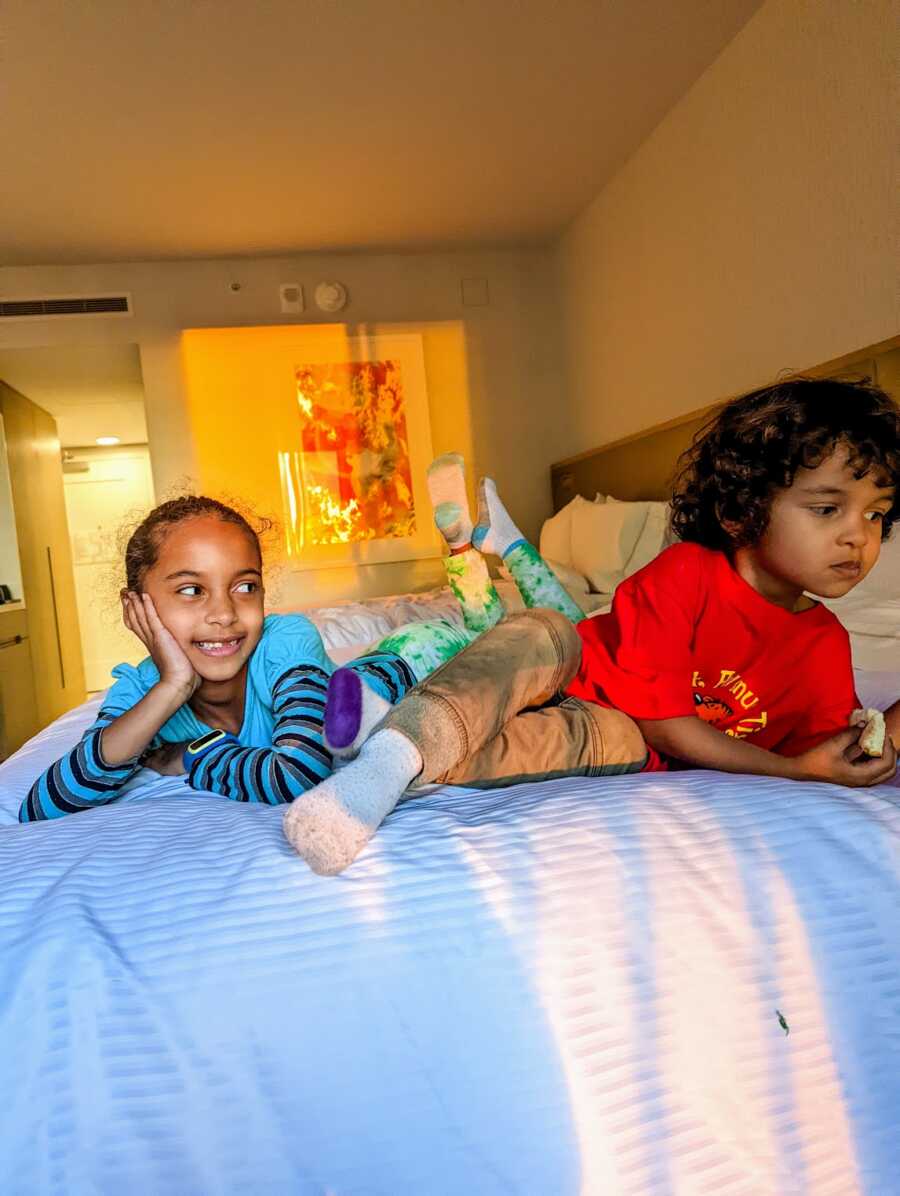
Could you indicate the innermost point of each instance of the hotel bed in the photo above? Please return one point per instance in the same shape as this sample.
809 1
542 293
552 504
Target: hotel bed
677 983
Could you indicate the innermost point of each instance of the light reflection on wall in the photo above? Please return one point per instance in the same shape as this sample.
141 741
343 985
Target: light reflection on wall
312 515
246 420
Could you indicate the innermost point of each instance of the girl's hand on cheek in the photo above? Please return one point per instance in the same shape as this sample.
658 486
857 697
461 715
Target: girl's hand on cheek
140 617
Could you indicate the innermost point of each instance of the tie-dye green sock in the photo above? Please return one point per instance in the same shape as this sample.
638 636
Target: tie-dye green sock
537 583
471 584
426 646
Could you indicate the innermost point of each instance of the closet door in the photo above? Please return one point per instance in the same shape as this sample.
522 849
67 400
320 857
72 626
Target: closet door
18 710
35 472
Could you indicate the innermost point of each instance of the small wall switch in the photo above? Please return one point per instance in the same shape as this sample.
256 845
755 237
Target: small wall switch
475 292
291 295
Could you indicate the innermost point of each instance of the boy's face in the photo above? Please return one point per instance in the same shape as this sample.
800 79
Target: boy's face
207 589
824 533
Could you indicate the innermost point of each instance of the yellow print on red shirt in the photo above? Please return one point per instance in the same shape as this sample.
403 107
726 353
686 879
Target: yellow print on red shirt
714 708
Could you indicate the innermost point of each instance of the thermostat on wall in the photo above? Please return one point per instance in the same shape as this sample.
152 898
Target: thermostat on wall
331 296
291 296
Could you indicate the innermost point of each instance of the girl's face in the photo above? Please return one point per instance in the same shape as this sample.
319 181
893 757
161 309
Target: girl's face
824 534
207 588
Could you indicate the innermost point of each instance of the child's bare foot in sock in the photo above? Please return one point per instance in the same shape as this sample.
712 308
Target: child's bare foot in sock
494 530
446 479
352 712
330 825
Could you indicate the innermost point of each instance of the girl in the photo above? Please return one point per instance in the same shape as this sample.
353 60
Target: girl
231 698
713 656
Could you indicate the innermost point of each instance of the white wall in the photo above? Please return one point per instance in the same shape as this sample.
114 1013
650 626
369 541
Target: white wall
754 231
110 495
512 357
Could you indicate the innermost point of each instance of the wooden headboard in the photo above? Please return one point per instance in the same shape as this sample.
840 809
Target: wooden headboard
643 466
638 467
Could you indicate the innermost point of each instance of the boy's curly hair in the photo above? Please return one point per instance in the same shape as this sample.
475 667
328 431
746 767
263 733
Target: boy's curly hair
755 444
144 541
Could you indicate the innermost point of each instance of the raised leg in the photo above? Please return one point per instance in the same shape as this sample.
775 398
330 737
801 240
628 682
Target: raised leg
496 532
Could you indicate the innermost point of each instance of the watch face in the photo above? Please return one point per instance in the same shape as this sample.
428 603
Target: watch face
211 737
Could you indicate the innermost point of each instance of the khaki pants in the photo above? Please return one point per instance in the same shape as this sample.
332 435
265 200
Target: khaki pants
481 719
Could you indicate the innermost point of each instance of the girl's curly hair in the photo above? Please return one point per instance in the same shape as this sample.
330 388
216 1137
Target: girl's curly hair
754 446
142 548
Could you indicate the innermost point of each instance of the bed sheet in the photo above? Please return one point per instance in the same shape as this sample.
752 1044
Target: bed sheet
657 984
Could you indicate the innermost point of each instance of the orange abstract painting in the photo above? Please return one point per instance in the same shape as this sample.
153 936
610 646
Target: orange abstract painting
351 480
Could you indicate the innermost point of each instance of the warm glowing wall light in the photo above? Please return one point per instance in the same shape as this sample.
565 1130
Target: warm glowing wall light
107 440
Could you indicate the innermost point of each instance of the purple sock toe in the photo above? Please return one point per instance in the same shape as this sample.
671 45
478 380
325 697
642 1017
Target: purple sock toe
343 708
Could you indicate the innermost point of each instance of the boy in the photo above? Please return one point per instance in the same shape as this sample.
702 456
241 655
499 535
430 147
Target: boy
789 489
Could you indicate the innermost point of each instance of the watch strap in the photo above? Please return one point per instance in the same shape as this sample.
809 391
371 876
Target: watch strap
203 745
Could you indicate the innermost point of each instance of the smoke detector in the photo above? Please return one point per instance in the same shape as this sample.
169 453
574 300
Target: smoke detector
331 296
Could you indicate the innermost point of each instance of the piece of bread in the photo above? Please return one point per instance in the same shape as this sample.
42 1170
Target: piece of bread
872 739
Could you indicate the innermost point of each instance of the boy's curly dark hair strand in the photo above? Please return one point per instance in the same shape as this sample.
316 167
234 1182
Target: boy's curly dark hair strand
754 446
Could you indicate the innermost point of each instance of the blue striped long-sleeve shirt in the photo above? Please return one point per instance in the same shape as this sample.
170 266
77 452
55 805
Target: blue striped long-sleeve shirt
281 752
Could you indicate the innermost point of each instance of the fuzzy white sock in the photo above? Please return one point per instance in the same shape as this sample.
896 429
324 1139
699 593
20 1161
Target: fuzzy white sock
446 479
330 825
352 712
494 530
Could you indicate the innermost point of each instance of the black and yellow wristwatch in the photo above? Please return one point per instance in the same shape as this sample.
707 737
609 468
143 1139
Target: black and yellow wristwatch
198 748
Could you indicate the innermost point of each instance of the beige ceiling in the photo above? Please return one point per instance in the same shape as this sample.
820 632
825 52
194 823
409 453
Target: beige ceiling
91 390
199 128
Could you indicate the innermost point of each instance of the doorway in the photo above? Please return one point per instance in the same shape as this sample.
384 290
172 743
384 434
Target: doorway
95 395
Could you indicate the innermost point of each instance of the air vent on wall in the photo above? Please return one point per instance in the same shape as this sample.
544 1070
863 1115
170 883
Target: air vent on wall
64 307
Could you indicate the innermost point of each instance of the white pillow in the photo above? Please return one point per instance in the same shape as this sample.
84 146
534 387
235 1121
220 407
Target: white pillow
556 534
653 539
574 582
604 537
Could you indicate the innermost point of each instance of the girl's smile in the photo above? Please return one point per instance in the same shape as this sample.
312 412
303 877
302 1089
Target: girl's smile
219 648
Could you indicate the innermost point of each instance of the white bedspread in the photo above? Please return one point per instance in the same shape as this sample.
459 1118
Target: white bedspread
564 988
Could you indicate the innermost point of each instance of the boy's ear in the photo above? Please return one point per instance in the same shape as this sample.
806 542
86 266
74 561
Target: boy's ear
731 527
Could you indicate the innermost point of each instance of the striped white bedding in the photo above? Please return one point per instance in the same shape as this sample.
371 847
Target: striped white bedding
654 984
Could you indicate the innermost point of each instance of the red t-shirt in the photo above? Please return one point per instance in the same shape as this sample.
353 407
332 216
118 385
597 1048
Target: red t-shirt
687 635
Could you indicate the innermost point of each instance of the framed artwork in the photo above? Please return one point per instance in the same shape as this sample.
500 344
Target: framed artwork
353 483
